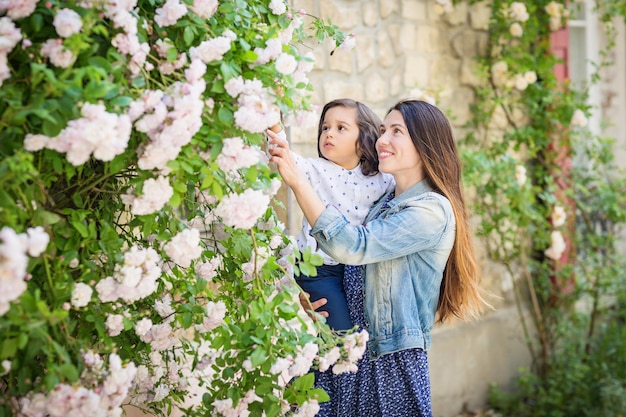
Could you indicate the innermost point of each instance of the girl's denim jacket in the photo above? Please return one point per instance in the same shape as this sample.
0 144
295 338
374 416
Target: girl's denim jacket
404 250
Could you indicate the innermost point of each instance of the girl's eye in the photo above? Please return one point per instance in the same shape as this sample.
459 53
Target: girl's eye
341 128
324 128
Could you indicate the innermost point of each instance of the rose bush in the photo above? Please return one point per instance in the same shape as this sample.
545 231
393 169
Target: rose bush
141 259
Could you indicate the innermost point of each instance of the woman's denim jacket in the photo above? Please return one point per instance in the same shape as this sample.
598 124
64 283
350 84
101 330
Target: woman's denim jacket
405 250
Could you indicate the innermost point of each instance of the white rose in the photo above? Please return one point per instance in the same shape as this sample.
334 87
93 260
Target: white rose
67 22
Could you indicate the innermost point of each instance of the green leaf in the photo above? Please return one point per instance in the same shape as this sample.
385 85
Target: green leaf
188 35
258 356
225 115
172 54
175 200
9 348
69 371
81 228
305 382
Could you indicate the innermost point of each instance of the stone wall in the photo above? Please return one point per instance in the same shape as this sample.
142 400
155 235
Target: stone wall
404 49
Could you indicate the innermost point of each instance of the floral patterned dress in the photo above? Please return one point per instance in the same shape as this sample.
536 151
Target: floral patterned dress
394 385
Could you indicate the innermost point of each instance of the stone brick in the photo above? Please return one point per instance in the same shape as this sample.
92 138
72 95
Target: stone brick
416 71
370 13
365 51
465 43
469 75
414 10
458 16
307 5
342 60
407 37
388 7
385 49
428 40
395 83
346 17
376 88
445 70
336 87
480 13
458 101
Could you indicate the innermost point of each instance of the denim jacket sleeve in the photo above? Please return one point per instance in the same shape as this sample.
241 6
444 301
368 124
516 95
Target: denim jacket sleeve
415 225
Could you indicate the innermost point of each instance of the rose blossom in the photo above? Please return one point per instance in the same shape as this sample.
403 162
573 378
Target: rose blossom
67 22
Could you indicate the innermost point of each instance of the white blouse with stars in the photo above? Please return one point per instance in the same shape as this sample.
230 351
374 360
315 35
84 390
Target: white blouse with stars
349 190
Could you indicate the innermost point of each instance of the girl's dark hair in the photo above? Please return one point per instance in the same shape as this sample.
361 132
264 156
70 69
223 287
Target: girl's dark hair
431 133
369 131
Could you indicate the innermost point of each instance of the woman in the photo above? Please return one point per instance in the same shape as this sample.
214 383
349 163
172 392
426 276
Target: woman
419 261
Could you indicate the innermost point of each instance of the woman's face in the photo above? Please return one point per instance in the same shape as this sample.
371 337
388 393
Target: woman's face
396 153
340 132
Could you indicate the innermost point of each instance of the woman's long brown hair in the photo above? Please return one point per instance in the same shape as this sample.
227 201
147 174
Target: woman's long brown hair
430 130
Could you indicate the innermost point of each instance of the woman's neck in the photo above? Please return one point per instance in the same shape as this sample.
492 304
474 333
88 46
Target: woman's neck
403 183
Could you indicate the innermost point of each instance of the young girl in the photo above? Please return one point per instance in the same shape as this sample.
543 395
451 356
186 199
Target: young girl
346 176
420 267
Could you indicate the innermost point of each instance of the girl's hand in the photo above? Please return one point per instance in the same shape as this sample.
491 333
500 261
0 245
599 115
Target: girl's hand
282 157
308 200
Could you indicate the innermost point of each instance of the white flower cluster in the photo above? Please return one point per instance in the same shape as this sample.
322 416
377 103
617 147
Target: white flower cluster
170 120
278 7
236 155
348 43
225 407
259 257
58 55
557 12
557 246
578 119
242 210
204 8
309 408
520 175
101 400
169 14
184 247
14 249
521 81
17 9
155 194
353 349
162 47
127 42
180 371
10 35
67 22
213 49
342 359
134 279
517 12
103 134
209 269
257 110
557 241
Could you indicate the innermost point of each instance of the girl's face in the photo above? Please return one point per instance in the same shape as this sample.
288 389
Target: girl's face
340 132
396 152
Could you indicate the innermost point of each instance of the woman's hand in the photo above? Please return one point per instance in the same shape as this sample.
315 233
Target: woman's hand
311 307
